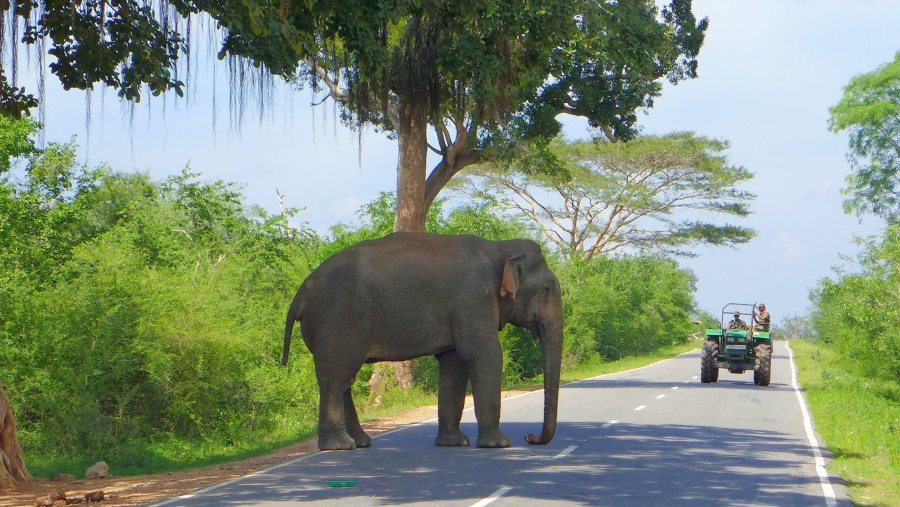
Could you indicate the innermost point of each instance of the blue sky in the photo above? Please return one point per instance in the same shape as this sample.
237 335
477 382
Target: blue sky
769 70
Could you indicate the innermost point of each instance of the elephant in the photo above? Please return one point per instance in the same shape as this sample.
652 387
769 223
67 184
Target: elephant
414 294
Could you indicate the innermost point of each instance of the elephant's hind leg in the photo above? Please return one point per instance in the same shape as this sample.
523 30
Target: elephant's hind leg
333 382
454 377
354 429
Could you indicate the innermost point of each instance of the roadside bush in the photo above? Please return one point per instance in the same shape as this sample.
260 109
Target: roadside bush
163 321
859 312
620 306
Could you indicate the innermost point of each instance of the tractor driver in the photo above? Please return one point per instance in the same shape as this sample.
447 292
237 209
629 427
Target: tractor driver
737 323
762 318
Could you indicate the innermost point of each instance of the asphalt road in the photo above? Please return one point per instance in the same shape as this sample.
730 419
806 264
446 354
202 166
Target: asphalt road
650 436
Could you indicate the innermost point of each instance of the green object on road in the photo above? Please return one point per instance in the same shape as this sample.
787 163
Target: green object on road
342 484
736 350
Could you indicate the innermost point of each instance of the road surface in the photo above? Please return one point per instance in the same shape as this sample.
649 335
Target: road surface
649 436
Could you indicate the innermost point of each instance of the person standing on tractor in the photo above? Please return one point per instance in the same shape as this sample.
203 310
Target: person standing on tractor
762 318
737 323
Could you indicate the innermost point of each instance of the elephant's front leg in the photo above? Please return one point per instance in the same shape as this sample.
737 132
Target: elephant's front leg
332 426
454 377
485 364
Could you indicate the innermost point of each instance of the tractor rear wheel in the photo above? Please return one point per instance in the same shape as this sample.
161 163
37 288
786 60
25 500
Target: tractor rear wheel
763 372
709 372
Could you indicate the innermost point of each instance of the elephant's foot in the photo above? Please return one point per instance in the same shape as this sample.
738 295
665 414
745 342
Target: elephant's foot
455 438
493 439
337 442
361 438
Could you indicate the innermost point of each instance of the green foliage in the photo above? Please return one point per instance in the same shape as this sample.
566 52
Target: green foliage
15 140
859 313
621 306
133 312
14 101
870 112
126 46
609 64
489 62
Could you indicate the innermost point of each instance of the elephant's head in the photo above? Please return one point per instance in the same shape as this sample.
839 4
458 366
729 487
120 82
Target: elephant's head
530 296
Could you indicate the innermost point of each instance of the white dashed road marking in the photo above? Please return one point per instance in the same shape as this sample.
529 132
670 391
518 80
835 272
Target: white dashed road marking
566 452
497 494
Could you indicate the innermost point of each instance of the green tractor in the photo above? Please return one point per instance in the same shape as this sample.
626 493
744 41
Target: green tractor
737 350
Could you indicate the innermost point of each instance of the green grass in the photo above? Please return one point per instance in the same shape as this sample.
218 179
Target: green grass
858 419
167 454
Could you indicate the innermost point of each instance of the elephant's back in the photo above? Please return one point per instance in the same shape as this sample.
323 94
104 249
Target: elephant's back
401 268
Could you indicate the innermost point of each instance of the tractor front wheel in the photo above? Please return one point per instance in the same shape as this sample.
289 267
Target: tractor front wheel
763 372
709 372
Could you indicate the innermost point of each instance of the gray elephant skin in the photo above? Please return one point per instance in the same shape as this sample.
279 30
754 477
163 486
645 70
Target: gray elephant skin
408 295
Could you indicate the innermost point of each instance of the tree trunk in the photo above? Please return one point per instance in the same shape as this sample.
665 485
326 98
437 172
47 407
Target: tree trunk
411 165
13 469
410 216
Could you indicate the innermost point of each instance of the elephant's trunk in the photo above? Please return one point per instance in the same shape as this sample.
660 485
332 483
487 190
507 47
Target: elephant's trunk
293 315
551 345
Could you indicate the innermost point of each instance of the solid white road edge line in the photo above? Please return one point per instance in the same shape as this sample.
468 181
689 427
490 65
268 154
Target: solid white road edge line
634 369
497 494
827 489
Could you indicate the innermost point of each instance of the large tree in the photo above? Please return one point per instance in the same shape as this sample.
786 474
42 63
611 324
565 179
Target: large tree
870 112
12 467
482 75
15 142
485 76
659 193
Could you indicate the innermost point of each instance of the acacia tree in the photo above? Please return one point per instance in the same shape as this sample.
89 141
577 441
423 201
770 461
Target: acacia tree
654 192
870 111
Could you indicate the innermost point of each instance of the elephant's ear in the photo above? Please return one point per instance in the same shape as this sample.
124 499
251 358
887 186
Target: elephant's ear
510 284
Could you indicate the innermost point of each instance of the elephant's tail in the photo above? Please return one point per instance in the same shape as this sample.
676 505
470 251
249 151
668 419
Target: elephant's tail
294 314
